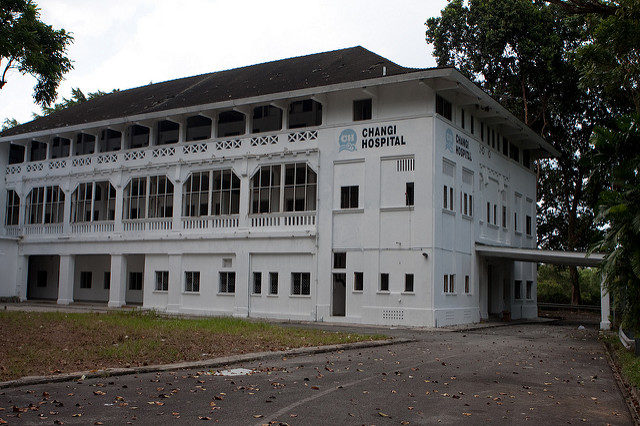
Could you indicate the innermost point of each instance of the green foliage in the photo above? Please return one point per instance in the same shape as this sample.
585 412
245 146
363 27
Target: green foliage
554 285
618 157
9 123
629 363
32 47
77 97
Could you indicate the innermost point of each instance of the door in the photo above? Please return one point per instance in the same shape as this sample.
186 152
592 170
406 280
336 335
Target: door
339 295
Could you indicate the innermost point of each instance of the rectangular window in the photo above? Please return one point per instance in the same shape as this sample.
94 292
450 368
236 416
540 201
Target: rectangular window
495 214
135 280
107 281
408 283
462 123
409 194
85 279
528 225
339 260
467 285
472 123
273 283
13 208
470 205
300 283
504 216
488 212
526 158
362 109
358 281
443 107
257 282
529 288
505 147
162 280
384 282
349 197
446 283
515 221
452 280
447 199
514 152
227 282
192 281
516 290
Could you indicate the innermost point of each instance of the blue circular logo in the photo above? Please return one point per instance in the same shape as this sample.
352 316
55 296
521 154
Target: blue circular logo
347 140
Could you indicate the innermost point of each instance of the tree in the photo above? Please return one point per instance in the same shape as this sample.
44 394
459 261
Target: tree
77 97
520 53
618 153
9 123
32 47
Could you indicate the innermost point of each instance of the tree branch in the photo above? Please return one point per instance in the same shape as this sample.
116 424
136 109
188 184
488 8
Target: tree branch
4 73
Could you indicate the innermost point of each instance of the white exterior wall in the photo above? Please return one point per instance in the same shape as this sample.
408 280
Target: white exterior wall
381 235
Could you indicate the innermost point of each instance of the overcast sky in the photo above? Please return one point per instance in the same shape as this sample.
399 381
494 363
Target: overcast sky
128 43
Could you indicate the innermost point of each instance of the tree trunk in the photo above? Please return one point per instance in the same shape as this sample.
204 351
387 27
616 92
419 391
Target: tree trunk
576 299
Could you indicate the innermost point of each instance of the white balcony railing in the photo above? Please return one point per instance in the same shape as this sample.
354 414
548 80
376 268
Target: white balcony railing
13 230
290 219
92 227
209 222
141 225
43 229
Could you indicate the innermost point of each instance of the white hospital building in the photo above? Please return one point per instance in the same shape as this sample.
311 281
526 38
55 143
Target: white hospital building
335 187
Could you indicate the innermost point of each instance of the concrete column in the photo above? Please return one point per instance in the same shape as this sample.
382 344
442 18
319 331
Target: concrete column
66 220
245 200
22 271
65 280
177 204
242 284
182 130
118 289
117 220
174 301
153 133
27 147
605 307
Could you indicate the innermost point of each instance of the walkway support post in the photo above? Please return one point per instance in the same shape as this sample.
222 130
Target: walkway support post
65 280
605 306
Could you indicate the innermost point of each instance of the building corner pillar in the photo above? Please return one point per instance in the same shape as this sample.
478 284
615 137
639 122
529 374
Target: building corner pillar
605 306
65 279
118 285
22 272
174 301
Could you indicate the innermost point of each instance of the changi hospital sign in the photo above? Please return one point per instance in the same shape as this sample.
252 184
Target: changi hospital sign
370 137
461 145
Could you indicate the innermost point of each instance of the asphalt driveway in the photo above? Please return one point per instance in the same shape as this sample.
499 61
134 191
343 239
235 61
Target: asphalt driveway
524 373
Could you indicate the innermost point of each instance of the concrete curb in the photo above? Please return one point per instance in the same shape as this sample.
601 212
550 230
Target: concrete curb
484 326
207 363
631 397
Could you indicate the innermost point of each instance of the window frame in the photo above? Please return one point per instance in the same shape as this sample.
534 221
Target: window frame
162 281
302 289
226 282
191 282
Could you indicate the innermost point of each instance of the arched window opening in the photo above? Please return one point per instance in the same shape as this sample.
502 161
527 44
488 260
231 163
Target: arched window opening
267 118
168 132
160 197
265 190
13 208
135 199
85 144
93 201
198 128
60 147
138 136
231 123
305 113
300 183
110 140
38 151
220 188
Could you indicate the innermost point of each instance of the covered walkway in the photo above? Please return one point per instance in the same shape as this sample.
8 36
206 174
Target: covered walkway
557 258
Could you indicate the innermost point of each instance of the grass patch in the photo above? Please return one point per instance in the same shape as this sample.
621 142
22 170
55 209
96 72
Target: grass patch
41 343
628 362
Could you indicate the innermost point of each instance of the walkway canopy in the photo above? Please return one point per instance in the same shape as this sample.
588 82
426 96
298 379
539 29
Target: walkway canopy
565 258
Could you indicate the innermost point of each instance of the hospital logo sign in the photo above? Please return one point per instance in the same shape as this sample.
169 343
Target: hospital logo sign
347 140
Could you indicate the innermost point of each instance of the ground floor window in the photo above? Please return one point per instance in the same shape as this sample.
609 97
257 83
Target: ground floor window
257 282
358 281
162 280
449 283
384 282
273 283
85 279
192 281
467 288
135 281
227 282
517 291
349 197
408 283
301 283
529 288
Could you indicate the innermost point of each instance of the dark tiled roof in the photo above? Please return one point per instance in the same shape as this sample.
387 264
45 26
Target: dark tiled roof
321 69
